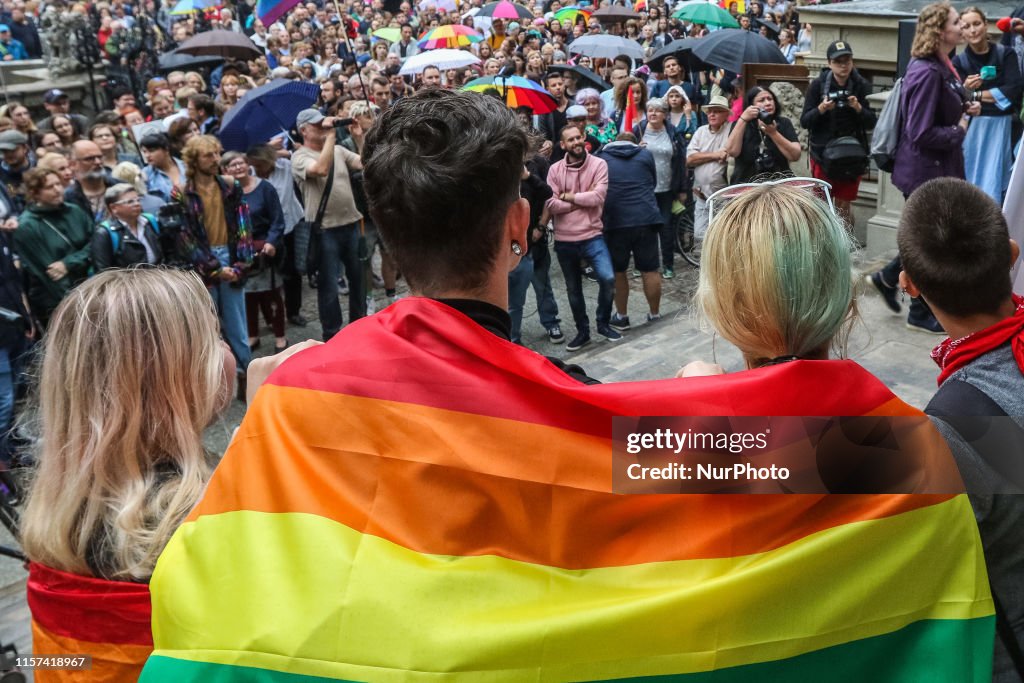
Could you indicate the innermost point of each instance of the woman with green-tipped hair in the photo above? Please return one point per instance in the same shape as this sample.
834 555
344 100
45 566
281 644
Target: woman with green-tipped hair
775 277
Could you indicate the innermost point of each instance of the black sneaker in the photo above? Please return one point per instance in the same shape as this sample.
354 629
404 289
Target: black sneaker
555 335
888 293
589 273
579 341
298 320
619 322
609 334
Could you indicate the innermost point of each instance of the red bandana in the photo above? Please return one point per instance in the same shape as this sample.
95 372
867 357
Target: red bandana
953 354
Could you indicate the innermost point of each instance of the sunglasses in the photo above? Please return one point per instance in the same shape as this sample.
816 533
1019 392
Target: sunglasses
718 200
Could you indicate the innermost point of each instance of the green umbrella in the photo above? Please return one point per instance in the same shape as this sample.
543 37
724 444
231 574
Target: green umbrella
706 14
391 34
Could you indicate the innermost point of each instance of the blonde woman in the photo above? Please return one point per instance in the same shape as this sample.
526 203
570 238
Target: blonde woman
133 371
59 164
775 275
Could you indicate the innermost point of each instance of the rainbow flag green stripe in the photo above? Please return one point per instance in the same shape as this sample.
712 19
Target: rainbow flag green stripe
366 527
923 641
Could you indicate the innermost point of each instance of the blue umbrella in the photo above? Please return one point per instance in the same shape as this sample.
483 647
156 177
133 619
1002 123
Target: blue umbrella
266 111
189 6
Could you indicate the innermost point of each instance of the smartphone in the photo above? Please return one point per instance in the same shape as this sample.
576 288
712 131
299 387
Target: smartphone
988 72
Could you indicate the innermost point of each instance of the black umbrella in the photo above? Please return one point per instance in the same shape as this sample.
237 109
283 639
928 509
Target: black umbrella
682 50
227 44
584 76
731 48
173 61
615 14
773 28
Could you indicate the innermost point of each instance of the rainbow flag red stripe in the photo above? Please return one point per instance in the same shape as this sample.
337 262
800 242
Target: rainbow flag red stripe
421 500
77 615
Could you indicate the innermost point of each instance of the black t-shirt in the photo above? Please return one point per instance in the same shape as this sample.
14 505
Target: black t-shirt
753 142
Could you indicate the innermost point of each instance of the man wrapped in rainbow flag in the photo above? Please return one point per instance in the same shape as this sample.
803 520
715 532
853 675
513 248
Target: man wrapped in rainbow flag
421 500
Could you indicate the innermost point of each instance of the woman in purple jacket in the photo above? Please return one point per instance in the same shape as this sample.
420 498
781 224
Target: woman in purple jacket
936 112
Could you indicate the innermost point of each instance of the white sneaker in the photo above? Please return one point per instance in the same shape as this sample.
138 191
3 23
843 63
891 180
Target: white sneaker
371 306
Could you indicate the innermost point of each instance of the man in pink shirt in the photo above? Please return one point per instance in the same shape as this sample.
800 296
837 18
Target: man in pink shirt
579 183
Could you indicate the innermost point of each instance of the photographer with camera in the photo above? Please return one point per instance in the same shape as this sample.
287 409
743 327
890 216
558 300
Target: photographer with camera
322 167
836 116
761 141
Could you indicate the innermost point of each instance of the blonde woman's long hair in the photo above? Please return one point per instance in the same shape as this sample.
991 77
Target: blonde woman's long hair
132 373
775 274
930 25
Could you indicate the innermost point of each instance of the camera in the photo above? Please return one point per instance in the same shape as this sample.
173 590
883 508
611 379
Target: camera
765 118
171 219
840 97
341 124
764 162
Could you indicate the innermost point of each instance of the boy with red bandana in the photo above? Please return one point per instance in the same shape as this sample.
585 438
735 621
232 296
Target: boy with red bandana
957 254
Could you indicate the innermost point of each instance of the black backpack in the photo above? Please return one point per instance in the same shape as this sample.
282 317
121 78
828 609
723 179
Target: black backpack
846 157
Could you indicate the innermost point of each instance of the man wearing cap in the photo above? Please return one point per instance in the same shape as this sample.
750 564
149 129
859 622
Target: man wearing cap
56 102
162 171
11 50
17 160
406 47
707 157
836 105
311 163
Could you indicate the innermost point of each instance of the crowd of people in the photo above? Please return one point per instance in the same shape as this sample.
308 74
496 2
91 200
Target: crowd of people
389 177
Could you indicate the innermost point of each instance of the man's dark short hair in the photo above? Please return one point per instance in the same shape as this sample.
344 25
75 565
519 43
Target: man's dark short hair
203 103
955 246
431 67
624 60
118 93
393 70
625 137
551 74
568 126
441 169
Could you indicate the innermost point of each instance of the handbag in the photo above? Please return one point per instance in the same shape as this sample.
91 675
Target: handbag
308 234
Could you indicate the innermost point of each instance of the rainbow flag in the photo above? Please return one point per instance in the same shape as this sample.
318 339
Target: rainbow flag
270 11
419 500
82 615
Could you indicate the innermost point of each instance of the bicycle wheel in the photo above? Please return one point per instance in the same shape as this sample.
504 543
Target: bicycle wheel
688 246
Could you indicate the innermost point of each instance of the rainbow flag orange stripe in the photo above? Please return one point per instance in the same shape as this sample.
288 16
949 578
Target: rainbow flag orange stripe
420 500
82 615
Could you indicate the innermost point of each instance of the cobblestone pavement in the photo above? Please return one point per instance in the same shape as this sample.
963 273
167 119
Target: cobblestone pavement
880 342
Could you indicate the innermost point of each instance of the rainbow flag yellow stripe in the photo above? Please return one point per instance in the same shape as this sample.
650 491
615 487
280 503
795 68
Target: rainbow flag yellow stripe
363 528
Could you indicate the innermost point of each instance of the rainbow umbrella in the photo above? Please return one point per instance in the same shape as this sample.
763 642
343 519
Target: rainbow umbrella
516 91
640 5
449 36
572 14
505 10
